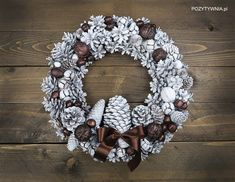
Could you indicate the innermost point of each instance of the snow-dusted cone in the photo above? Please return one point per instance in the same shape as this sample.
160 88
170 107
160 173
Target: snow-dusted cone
72 142
157 113
179 117
141 115
97 111
117 114
188 82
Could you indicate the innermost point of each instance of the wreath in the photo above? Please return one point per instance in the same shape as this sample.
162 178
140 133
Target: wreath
115 132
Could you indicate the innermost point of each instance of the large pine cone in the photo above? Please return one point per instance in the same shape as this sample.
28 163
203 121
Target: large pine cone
141 115
117 114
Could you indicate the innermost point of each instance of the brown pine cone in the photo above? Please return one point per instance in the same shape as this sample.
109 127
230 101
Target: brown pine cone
81 49
159 54
147 31
83 132
154 131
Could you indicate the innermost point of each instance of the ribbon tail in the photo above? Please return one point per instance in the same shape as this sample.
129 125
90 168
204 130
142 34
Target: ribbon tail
134 163
102 152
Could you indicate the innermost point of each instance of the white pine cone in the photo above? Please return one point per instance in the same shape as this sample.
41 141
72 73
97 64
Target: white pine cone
168 108
97 111
141 115
146 146
188 82
157 113
157 146
179 117
72 117
117 114
72 142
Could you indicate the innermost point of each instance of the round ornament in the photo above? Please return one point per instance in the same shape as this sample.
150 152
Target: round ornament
115 131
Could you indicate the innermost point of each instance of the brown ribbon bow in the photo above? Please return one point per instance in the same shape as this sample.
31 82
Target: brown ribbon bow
108 137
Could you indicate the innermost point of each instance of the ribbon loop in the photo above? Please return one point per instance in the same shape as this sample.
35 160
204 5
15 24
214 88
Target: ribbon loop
108 137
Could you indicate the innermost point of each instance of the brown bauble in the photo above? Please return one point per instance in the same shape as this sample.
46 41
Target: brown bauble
91 123
159 54
57 72
139 23
172 127
167 119
147 31
85 27
81 49
68 103
154 131
83 132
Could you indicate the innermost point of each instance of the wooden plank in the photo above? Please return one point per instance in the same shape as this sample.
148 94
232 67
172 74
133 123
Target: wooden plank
22 85
206 161
54 15
31 48
27 123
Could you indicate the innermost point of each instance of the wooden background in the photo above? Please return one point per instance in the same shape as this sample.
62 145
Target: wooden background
29 150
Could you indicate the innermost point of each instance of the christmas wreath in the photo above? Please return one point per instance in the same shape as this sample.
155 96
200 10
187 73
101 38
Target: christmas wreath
115 132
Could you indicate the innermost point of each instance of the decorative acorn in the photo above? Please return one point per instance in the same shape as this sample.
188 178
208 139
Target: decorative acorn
81 61
159 54
110 24
139 23
83 132
91 123
154 131
172 127
77 103
167 119
55 94
147 31
85 27
81 49
57 72
96 112
181 104
68 103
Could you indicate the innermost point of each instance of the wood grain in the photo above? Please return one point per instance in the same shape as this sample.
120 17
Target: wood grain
203 151
52 162
22 85
65 15
31 48
28 123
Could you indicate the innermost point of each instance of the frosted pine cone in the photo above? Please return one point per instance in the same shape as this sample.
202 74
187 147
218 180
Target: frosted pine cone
72 117
179 117
72 142
168 107
141 115
157 113
97 111
188 82
117 114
